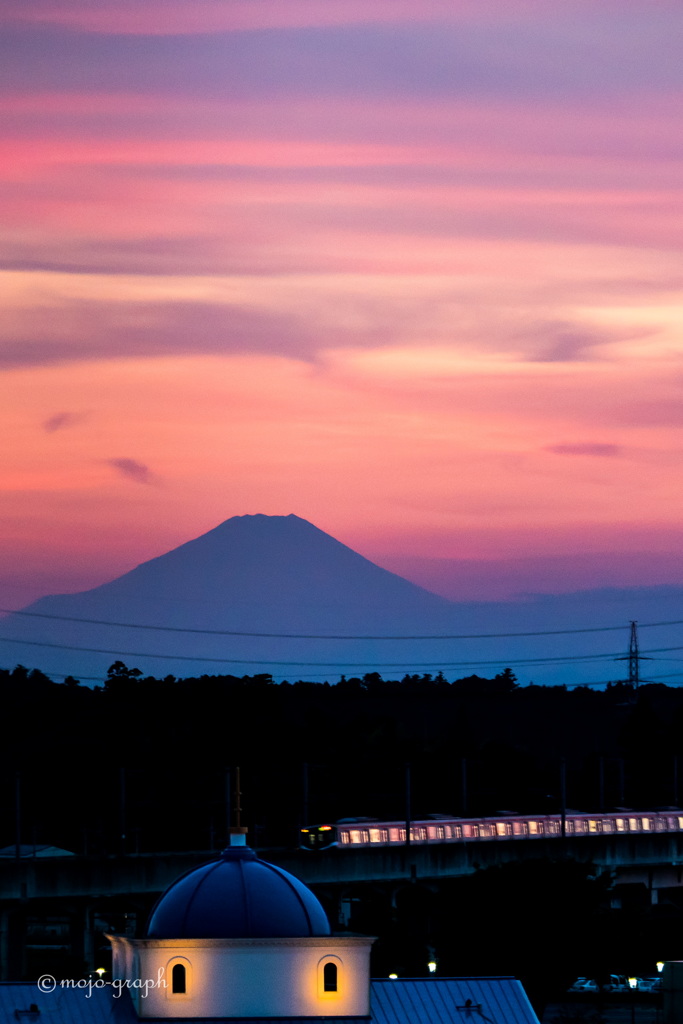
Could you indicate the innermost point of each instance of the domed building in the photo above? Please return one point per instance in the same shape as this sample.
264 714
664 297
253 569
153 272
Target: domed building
241 938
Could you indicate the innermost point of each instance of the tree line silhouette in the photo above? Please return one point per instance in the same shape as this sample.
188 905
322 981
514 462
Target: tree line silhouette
142 764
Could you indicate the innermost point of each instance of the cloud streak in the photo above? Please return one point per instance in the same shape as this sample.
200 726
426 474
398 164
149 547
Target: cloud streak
131 469
591 448
61 421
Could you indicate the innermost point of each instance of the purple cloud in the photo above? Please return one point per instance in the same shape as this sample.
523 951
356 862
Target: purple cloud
60 420
609 451
131 469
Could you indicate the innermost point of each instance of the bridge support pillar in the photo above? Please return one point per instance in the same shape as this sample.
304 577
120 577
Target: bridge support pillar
4 946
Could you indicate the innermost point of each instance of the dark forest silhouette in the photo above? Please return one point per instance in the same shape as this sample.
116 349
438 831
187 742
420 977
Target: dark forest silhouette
149 757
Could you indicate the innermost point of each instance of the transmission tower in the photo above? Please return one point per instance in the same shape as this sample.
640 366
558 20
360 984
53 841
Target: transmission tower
634 657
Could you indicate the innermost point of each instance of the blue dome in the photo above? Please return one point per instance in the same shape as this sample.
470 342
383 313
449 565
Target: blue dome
239 896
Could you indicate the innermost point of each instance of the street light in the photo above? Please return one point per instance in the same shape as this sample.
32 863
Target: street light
633 985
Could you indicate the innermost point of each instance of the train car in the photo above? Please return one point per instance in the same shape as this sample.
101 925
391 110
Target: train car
351 835
318 837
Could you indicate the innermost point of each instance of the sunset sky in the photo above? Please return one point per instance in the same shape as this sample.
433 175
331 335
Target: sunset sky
410 269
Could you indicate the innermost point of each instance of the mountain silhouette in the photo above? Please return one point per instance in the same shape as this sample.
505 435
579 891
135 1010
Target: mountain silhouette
254 574
276 595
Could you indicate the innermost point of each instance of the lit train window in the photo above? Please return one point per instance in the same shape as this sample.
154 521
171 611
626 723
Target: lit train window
375 835
646 824
441 832
633 824
569 827
579 826
607 825
354 836
680 823
621 825
467 831
344 837
520 828
395 835
593 825
503 828
457 831
533 828
553 828
487 831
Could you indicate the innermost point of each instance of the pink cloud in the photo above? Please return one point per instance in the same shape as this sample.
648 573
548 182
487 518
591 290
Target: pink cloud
62 420
609 451
131 469
187 17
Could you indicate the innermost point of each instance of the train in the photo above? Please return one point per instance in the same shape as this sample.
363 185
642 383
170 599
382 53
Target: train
353 834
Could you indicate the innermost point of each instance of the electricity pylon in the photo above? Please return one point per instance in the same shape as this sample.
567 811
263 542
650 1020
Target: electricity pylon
634 657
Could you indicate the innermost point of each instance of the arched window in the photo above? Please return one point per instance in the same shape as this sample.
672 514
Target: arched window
330 977
178 979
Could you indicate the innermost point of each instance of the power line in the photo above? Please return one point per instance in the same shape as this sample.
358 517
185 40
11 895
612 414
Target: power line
562 660
330 636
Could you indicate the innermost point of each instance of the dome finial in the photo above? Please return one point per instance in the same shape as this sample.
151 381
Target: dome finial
237 835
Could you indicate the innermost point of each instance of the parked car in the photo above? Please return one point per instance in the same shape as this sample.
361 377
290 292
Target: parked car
649 984
584 985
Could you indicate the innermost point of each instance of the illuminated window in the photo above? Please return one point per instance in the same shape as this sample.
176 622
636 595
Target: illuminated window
179 973
621 824
330 977
646 824
633 824
533 828
440 832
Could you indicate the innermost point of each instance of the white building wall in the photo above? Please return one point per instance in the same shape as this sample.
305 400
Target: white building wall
249 977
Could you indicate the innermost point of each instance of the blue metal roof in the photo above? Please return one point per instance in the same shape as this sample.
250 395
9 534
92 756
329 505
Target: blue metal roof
411 1001
449 1000
63 1006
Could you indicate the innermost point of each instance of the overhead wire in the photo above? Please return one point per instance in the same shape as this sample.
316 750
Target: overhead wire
332 636
559 660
